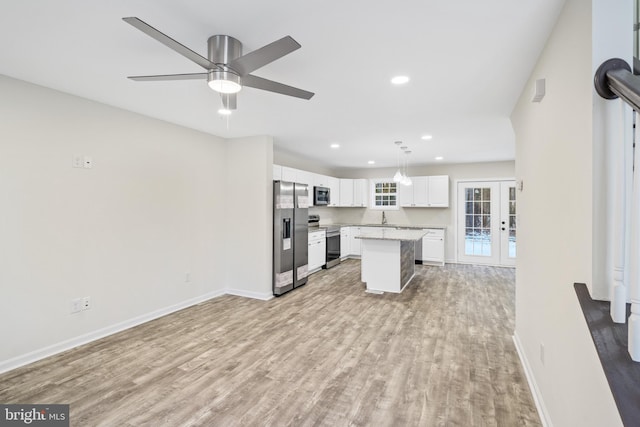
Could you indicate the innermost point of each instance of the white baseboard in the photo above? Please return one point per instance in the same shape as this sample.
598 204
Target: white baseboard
533 386
39 354
250 294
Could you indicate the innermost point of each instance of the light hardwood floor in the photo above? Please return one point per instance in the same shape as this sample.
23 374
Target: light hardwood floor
439 354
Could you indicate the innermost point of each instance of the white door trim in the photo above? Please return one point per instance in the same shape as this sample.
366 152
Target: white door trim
456 207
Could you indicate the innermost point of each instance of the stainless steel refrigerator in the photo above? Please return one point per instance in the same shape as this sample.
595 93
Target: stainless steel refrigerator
290 236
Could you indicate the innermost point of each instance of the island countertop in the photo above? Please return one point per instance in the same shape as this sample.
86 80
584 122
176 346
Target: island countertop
400 226
386 234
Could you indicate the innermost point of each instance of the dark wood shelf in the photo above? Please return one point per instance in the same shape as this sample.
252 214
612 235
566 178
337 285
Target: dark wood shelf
610 339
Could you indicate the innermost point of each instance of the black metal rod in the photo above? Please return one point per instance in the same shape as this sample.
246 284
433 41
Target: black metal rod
614 79
627 86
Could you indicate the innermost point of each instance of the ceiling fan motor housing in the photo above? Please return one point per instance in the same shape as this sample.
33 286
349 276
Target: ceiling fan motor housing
223 49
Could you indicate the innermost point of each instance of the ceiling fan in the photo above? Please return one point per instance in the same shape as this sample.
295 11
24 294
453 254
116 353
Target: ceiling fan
227 69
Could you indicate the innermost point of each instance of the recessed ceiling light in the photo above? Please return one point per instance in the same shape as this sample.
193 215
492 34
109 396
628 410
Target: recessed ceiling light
439 158
224 111
426 137
335 145
399 80
372 162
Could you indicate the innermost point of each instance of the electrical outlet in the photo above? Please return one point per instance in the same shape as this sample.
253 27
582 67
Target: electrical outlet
87 162
76 305
86 303
542 353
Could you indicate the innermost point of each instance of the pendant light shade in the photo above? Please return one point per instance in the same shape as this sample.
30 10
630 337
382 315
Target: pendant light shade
406 180
398 176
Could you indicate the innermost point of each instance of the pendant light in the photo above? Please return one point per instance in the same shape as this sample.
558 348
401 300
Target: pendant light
406 179
398 176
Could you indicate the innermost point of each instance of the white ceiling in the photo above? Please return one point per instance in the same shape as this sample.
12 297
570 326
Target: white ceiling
468 61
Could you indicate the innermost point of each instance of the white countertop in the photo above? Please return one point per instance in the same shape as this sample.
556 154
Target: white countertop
403 226
386 234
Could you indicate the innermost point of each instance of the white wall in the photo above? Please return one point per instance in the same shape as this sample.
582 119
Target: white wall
284 158
554 157
420 216
250 216
153 208
612 37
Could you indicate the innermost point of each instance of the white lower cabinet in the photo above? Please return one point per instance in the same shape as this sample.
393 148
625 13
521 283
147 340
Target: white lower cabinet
345 242
433 246
355 246
317 250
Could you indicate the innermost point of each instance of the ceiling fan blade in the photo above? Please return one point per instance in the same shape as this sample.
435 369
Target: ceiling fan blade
193 76
271 86
263 56
229 100
171 43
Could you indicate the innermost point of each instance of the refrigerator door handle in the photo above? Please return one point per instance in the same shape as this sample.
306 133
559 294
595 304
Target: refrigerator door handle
286 228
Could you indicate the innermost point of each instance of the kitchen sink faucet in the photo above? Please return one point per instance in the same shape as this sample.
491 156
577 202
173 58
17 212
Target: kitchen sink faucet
384 218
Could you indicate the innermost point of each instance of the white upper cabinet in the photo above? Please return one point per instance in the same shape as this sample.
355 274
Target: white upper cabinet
405 195
289 174
304 177
421 191
360 192
353 193
334 188
439 191
416 194
426 191
346 192
277 172
285 173
320 180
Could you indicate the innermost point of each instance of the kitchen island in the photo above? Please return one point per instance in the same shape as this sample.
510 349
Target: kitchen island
388 258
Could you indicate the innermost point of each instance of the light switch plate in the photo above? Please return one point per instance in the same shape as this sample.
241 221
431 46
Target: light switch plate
77 161
76 305
87 162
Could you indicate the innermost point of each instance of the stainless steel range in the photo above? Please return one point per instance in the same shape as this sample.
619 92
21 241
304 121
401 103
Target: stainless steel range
333 246
333 241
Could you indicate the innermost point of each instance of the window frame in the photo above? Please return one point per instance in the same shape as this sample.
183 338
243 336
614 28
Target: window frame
372 193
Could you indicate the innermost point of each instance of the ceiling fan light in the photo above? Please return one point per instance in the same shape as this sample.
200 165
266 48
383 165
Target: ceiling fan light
224 81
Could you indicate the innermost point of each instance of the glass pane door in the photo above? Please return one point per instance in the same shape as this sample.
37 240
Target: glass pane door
508 223
478 218
487 222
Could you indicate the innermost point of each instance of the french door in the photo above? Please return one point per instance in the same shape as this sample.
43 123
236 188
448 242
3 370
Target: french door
487 222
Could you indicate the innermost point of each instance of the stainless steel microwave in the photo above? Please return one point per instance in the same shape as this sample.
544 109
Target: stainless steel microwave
321 196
